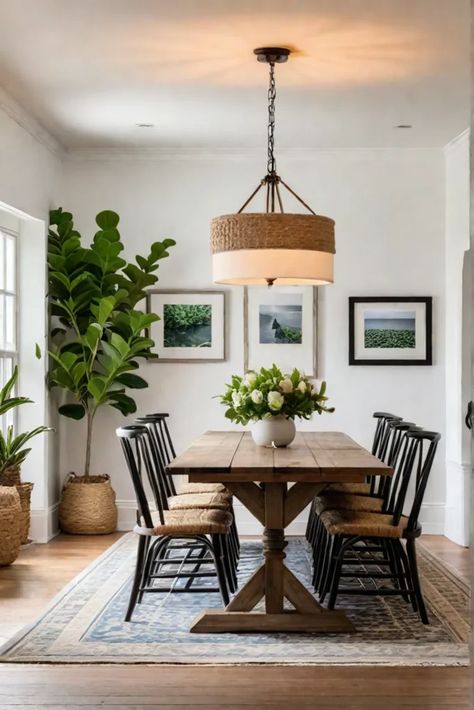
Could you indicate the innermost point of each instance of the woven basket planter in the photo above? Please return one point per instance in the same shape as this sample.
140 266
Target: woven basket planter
10 476
24 492
88 508
10 522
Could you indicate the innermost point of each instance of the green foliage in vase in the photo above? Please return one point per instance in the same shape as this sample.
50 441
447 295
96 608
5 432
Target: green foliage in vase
13 450
97 329
269 392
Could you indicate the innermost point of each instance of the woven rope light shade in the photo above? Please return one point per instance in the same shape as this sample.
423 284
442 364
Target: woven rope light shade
272 247
281 249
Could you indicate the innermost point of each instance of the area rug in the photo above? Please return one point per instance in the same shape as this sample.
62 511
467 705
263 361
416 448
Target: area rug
85 623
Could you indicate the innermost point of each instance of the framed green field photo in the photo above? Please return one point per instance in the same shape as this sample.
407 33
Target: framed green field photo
390 331
191 325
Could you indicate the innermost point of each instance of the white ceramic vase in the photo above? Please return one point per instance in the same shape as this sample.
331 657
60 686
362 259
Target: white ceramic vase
276 431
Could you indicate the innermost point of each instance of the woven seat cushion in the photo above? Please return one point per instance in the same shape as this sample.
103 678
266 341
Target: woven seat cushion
352 522
194 522
357 488
333 500
199 500
201 488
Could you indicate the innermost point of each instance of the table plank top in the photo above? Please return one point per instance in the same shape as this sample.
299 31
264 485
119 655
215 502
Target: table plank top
313 456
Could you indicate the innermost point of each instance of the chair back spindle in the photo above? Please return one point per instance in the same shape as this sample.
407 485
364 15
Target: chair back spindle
132 438
414 456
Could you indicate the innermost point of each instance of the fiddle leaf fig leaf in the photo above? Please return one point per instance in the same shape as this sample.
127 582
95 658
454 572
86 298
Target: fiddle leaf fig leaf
73 411
132 381
107 219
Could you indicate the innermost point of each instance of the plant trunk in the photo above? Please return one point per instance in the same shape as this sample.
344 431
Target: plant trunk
90 421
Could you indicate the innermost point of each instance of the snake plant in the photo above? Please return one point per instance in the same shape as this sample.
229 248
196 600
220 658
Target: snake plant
13 450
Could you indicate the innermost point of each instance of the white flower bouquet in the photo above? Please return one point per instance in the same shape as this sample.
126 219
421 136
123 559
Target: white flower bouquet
270 392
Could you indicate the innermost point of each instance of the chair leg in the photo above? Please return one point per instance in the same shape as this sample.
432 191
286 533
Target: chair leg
411 552
218 553
337 568
142 545
325 563
150 556
406 567
319 549
235 534
401 574
229 565
334 548
310 523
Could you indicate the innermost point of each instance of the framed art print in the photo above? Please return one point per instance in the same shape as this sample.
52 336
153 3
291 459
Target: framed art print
280 327
191 325
390 331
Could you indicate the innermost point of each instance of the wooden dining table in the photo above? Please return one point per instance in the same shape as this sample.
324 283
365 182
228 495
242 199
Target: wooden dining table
275 485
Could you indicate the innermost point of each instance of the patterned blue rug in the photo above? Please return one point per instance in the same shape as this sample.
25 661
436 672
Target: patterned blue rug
85 623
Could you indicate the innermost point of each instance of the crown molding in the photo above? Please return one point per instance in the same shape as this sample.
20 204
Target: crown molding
26 121
154 153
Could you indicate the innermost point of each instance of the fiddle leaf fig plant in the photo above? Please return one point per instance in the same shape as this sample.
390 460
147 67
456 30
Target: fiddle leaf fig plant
98 331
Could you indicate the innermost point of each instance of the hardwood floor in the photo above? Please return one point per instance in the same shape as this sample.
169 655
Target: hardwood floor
42 570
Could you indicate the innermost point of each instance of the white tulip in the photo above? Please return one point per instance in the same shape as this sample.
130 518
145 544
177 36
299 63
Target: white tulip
302 386
256 396
286 385
250 379
275 401
236 399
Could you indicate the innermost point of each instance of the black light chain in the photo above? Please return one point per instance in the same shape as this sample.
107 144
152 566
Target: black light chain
271 165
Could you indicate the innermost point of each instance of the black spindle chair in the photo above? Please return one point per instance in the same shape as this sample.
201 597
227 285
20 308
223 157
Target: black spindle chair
157 424
379 449
206 528
389 448
347 529
189 501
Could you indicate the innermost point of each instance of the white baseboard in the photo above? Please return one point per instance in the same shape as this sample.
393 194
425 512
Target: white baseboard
432 518
127 514
44 523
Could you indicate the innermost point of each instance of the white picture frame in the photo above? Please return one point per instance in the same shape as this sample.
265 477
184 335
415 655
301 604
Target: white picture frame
260 303
208 343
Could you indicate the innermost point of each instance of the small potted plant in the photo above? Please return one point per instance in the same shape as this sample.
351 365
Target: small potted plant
272 400
99 336
14 450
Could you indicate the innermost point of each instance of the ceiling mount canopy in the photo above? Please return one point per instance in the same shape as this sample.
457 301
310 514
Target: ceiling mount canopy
272 247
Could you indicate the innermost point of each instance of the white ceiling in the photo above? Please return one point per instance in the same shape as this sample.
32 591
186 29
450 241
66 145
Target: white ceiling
90 70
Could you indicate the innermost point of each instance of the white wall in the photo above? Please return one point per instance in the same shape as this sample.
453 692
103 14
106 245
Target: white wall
30 170
389 212
458 305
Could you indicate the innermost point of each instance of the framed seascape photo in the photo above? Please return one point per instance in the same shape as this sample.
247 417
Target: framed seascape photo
390 331
191 325
280 327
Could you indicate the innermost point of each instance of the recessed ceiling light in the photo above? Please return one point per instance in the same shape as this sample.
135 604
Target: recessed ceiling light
403 125
145 125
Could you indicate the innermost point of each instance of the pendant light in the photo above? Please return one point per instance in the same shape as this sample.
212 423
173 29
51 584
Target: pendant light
272 247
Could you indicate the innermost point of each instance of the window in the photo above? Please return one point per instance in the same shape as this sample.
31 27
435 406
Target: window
8 306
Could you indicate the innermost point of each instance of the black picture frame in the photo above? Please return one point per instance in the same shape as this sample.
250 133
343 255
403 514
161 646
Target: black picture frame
428 358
